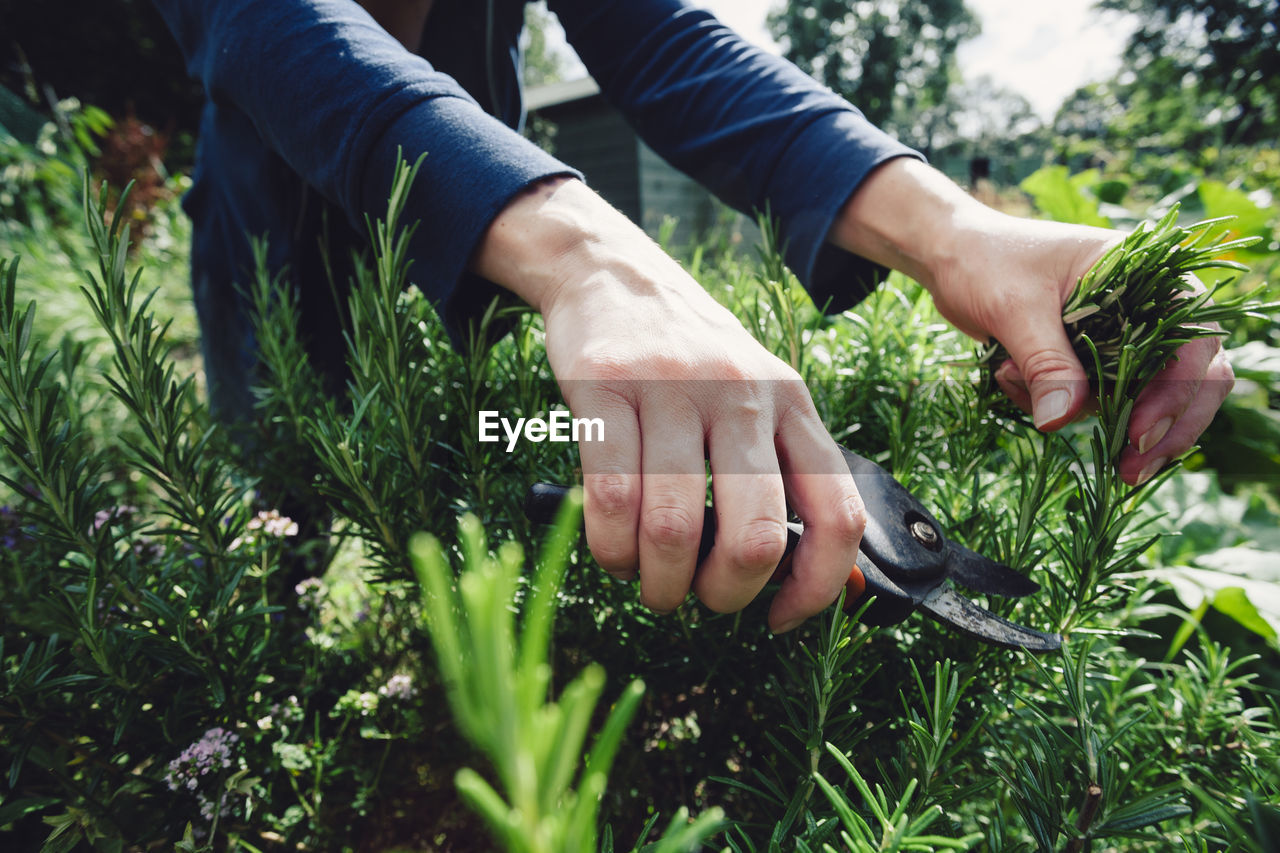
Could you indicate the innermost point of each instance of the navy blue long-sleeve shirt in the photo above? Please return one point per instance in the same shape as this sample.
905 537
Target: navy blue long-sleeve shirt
310 102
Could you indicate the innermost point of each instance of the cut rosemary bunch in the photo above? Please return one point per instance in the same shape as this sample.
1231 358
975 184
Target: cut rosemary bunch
1141 301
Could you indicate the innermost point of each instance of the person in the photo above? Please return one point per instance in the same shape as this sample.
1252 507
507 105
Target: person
312 102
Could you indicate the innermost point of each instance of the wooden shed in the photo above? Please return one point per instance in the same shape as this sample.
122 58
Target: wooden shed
592 136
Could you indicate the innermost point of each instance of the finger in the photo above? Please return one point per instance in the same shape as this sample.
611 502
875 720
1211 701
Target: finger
1137 468
820 489
1171 393
1014 386
611 480
751 512
1055 378
672 504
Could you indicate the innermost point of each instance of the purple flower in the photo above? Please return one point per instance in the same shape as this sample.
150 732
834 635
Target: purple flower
103 517
13 534
212 753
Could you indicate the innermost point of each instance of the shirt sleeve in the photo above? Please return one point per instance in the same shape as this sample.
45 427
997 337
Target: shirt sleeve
340 100
750 126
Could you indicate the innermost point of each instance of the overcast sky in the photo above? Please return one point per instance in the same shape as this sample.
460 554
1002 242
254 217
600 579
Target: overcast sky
1042 50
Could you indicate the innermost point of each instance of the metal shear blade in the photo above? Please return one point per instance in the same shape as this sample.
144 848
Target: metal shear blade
947 605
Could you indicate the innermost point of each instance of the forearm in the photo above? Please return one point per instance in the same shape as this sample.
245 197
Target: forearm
528 244
908 216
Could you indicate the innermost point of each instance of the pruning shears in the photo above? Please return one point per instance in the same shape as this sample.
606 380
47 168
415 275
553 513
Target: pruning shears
905 560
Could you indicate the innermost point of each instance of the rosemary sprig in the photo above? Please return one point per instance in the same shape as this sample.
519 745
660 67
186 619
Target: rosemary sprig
1139 303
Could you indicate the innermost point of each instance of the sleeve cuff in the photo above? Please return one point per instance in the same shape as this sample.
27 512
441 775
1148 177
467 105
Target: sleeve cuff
474 166
828 162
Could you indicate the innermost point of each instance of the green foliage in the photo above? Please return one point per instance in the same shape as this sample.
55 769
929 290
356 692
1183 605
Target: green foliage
35 174
895 61
1065 197
541 65
1128 315
896 830
1223 52
1197 97
1137 305
154 610
497 680
121 57
1074 744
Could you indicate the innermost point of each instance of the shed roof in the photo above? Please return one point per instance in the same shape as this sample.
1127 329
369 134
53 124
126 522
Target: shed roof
563 92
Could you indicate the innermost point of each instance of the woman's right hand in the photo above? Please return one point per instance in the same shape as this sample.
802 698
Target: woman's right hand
634 341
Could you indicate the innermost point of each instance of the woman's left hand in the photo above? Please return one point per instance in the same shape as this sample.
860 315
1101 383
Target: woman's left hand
998 276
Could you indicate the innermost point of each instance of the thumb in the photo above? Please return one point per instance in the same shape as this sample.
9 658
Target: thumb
1054 376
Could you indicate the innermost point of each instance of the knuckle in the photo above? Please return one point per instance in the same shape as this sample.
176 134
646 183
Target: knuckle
659 603
759 545
1220 372
671 527
615 559
1048 364
792 393
612 495
848 520
795 408
746 413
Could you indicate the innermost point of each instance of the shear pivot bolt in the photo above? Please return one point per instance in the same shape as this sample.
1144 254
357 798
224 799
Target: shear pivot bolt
924 533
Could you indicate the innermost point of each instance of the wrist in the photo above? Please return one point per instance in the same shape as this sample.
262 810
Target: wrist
559 243
556 232
539 225
908 216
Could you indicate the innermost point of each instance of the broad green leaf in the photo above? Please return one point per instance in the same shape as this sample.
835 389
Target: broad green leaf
1233 602
1240 582
1256 360
1251 219
1064 198
1205 517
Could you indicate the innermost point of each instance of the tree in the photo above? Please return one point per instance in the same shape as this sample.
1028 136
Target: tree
988 113
1221 55
989 130
895 59
542 64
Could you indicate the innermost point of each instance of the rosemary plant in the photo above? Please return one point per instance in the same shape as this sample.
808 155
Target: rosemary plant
497 677
1139 302
1126 319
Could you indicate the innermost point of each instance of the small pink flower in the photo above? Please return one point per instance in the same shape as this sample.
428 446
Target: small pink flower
399 686
310 592
266 524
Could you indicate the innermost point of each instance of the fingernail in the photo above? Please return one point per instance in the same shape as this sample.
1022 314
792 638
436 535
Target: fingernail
1151 437
789 625
1052 406
1152 469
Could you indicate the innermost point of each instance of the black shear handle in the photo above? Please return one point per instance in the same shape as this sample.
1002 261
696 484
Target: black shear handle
542 503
